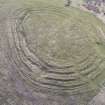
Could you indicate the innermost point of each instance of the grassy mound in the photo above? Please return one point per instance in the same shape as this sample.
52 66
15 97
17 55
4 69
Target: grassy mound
59 49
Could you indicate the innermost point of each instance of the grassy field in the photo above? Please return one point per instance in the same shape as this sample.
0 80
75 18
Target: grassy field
56 51
62 38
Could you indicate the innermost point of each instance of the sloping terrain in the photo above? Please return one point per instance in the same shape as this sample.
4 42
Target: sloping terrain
49 52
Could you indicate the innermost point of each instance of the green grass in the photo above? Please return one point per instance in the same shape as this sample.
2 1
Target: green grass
63 37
